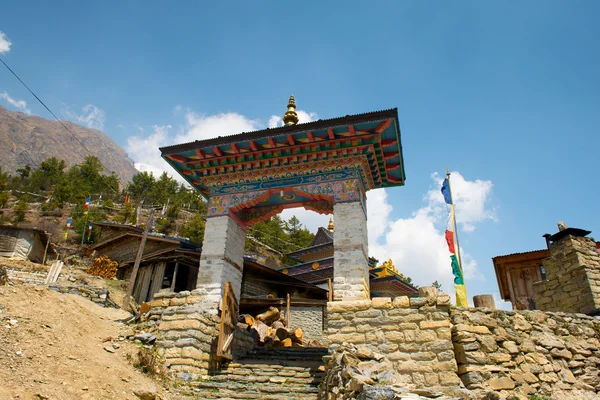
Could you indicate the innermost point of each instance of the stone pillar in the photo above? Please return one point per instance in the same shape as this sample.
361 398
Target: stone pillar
572 277
222 259
351 249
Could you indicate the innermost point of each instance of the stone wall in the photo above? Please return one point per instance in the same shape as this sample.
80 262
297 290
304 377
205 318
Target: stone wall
97 295
414 334
572 277
528 352
243 342
28 277
309 319
186 333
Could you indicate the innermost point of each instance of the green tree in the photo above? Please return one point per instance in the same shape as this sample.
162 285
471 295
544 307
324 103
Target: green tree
194 229
50 173
164 189
141 187
20 209
437 285
4 194
298 234
24 172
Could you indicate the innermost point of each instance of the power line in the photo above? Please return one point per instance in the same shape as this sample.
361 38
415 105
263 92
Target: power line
55 117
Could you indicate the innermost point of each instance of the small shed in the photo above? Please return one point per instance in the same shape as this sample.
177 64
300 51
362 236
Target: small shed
168 264
19 243
516 273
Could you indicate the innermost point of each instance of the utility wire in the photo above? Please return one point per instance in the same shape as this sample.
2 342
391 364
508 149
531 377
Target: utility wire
55 117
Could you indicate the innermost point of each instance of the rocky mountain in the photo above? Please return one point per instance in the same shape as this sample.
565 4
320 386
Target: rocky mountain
27 139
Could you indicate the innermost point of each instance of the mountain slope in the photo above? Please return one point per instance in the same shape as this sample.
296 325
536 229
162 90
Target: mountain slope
27 139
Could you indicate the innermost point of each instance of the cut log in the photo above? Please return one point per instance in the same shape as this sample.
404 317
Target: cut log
268 317
277 325
260 328
247 319
484 300
286 342
297 335
277 342
282 333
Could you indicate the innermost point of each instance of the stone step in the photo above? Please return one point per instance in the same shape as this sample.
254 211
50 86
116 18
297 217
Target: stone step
287 354
243 390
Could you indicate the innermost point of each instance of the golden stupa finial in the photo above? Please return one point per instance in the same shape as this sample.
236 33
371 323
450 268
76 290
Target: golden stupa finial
291 117
330 227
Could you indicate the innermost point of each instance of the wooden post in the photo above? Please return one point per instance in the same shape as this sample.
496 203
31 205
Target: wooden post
138 259
330 294
484 300
46 249
287 311
174 276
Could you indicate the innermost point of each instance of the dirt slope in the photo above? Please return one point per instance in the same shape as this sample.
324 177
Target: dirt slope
51 346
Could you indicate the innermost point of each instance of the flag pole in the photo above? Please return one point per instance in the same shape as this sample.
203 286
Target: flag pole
454 220
87 215
464 287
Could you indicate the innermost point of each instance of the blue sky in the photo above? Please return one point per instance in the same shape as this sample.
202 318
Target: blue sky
505 93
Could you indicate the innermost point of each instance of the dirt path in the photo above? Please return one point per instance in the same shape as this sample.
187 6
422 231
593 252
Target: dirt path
51 347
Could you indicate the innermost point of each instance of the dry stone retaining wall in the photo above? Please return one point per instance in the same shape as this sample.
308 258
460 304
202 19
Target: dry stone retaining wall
186 333
528 352
414 334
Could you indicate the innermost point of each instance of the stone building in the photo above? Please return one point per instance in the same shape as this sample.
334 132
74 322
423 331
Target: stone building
565 277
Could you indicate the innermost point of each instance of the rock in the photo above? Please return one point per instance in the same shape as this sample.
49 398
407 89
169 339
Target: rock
110 349
502 383
377 393
425 392
147 394
42 396
145 338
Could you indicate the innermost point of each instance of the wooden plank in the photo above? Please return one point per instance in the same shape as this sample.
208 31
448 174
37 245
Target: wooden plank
174 276
288 316
513 300
157 277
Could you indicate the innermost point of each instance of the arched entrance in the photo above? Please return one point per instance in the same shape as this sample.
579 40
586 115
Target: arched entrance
325 166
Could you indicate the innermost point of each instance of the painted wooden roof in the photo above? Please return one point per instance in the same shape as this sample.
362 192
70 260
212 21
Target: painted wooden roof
369 143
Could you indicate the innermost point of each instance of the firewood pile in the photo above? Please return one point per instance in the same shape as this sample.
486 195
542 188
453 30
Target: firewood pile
269 329
103 267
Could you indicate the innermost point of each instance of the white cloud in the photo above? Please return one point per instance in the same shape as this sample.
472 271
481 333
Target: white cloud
469 197
90 116
144 149
19 104
416 244
4 43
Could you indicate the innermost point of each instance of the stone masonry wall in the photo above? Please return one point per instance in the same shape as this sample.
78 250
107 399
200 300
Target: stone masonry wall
309 319
528 352
414 334
186 334
572 277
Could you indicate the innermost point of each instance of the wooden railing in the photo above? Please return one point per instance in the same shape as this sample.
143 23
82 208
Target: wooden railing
229 314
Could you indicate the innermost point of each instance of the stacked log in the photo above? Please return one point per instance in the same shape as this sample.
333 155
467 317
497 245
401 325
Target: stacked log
103 267
269 330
